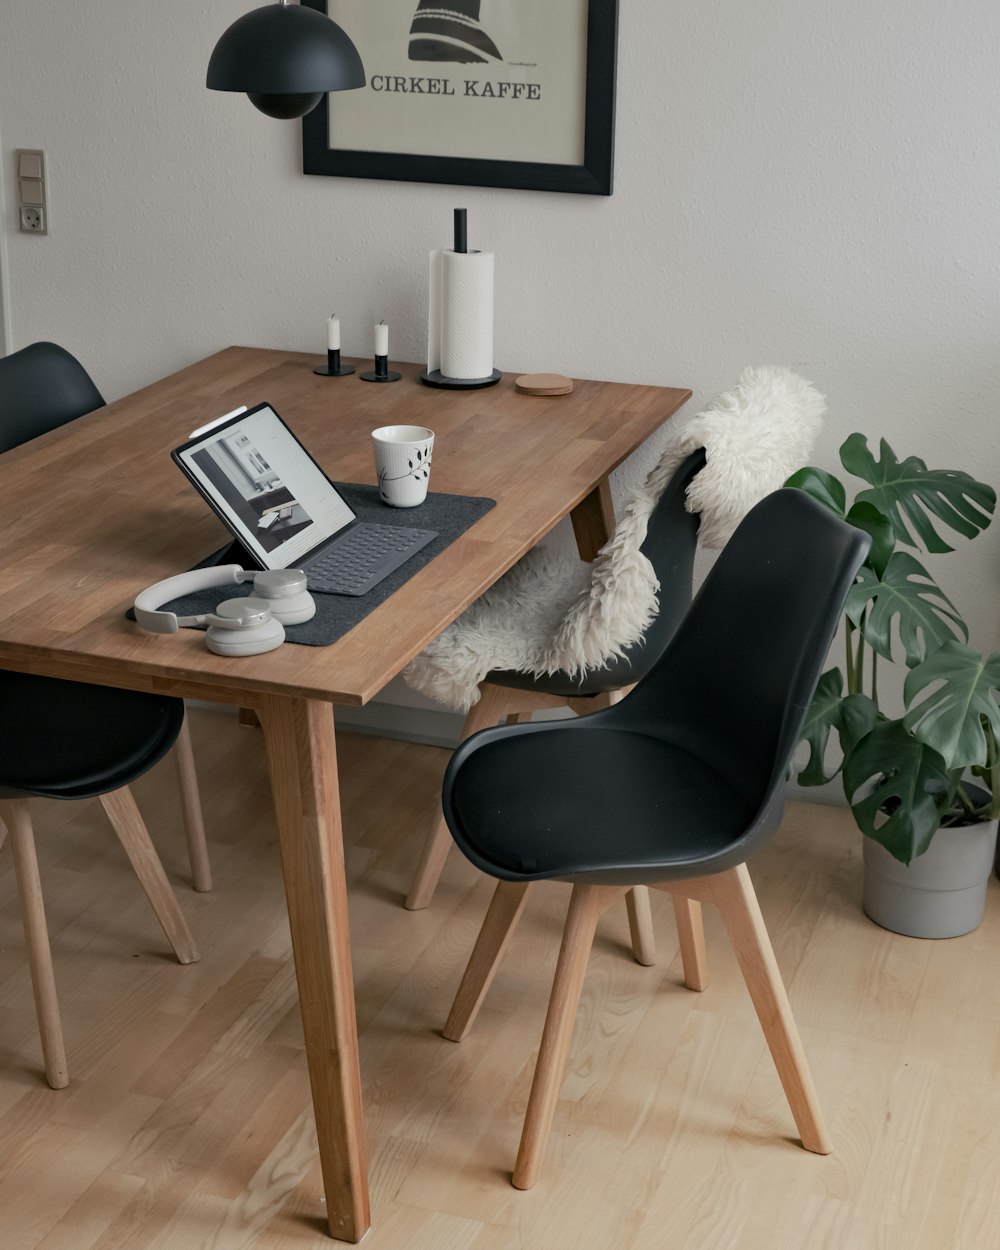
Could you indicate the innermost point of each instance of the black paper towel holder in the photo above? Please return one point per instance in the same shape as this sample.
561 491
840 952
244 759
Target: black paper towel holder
434 377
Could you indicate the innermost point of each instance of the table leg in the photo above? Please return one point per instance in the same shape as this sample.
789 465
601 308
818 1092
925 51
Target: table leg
594 520
302 756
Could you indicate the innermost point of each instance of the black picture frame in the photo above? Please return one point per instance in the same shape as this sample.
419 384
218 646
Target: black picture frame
594 177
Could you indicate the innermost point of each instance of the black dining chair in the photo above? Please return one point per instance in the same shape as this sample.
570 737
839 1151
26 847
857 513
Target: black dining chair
674 787
670 545
71 740
68 740
43 387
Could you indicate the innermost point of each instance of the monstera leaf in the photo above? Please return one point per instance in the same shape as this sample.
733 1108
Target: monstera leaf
878 527
858 716
822 486
822 717
987 773
950 716
926 618
906 491
905 789
851 715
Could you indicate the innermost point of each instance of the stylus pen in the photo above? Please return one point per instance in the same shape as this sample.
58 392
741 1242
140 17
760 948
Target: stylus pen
203 429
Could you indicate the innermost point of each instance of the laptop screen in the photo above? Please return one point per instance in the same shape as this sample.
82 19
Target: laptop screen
265 487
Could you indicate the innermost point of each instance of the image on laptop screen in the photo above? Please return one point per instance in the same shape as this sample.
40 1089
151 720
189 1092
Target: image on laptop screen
265 486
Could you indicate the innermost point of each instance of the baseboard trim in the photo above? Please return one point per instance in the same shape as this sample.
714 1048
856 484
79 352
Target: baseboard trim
411 724
429 727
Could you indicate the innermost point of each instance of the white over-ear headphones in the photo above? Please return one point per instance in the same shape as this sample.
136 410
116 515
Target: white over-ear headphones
246 626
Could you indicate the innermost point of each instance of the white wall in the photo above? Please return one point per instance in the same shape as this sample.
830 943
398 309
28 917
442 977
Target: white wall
813 185
4 285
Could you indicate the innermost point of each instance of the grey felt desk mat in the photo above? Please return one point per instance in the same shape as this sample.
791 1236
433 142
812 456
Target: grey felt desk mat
336 615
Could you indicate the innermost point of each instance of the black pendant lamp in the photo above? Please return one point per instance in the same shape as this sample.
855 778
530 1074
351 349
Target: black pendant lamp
286 58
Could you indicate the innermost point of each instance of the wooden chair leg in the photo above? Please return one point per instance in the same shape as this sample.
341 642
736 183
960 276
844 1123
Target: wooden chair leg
432 861
17 817
134 837
734 894
482 715
498 925
194 826
583 707
585 908
691 931
640 924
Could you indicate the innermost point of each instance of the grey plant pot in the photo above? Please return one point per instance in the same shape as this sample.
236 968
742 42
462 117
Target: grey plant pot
942 893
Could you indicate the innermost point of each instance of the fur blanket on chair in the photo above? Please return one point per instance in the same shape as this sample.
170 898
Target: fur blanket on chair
550 615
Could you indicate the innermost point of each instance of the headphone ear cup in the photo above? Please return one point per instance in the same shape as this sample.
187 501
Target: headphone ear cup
295 610
285 591
254 641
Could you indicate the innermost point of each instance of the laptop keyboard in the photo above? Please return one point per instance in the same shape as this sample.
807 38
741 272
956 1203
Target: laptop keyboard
363 557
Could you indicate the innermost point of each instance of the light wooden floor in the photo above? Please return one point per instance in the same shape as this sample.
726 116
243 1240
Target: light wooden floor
187 1121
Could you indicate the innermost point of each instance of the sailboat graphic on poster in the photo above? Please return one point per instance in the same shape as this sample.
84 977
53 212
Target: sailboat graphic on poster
451 30
470 79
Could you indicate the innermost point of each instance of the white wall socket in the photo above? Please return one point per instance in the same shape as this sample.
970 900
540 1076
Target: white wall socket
31 202
32 219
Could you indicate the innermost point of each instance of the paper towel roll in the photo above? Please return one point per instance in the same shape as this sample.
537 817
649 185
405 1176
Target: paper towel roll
434 313
460 320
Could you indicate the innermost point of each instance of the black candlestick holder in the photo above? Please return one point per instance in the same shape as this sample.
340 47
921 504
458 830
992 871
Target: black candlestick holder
381 372
334 369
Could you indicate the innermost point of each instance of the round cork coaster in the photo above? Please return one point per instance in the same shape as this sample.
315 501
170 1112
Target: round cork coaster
543 384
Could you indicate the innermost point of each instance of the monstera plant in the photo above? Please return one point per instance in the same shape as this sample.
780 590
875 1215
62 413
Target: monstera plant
906 777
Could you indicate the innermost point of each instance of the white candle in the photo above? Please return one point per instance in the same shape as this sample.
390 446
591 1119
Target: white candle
381 339
333 334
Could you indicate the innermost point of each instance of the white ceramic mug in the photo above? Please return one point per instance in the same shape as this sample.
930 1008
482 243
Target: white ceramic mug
403 455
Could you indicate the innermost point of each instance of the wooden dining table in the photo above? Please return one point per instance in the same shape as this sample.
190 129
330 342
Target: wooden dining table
96 510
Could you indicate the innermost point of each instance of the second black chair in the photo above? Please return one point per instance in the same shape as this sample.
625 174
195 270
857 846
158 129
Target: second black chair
674 788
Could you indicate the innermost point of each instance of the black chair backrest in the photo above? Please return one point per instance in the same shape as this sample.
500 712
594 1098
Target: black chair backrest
41 388
735 681
670 545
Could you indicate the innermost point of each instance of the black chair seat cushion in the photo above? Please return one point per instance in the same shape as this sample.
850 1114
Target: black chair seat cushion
69 740
605 805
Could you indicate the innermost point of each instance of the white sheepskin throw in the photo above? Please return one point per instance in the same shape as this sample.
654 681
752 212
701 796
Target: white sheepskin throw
755 437
551 615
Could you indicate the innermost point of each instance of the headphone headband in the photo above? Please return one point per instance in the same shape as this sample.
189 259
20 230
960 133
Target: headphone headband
242 626
149 601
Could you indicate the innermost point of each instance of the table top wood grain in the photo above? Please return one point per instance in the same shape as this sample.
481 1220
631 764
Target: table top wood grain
96 510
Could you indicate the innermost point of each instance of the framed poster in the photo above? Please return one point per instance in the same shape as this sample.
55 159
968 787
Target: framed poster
492 93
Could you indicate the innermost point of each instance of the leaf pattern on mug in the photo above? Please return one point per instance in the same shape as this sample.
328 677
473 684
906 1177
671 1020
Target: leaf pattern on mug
420 473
